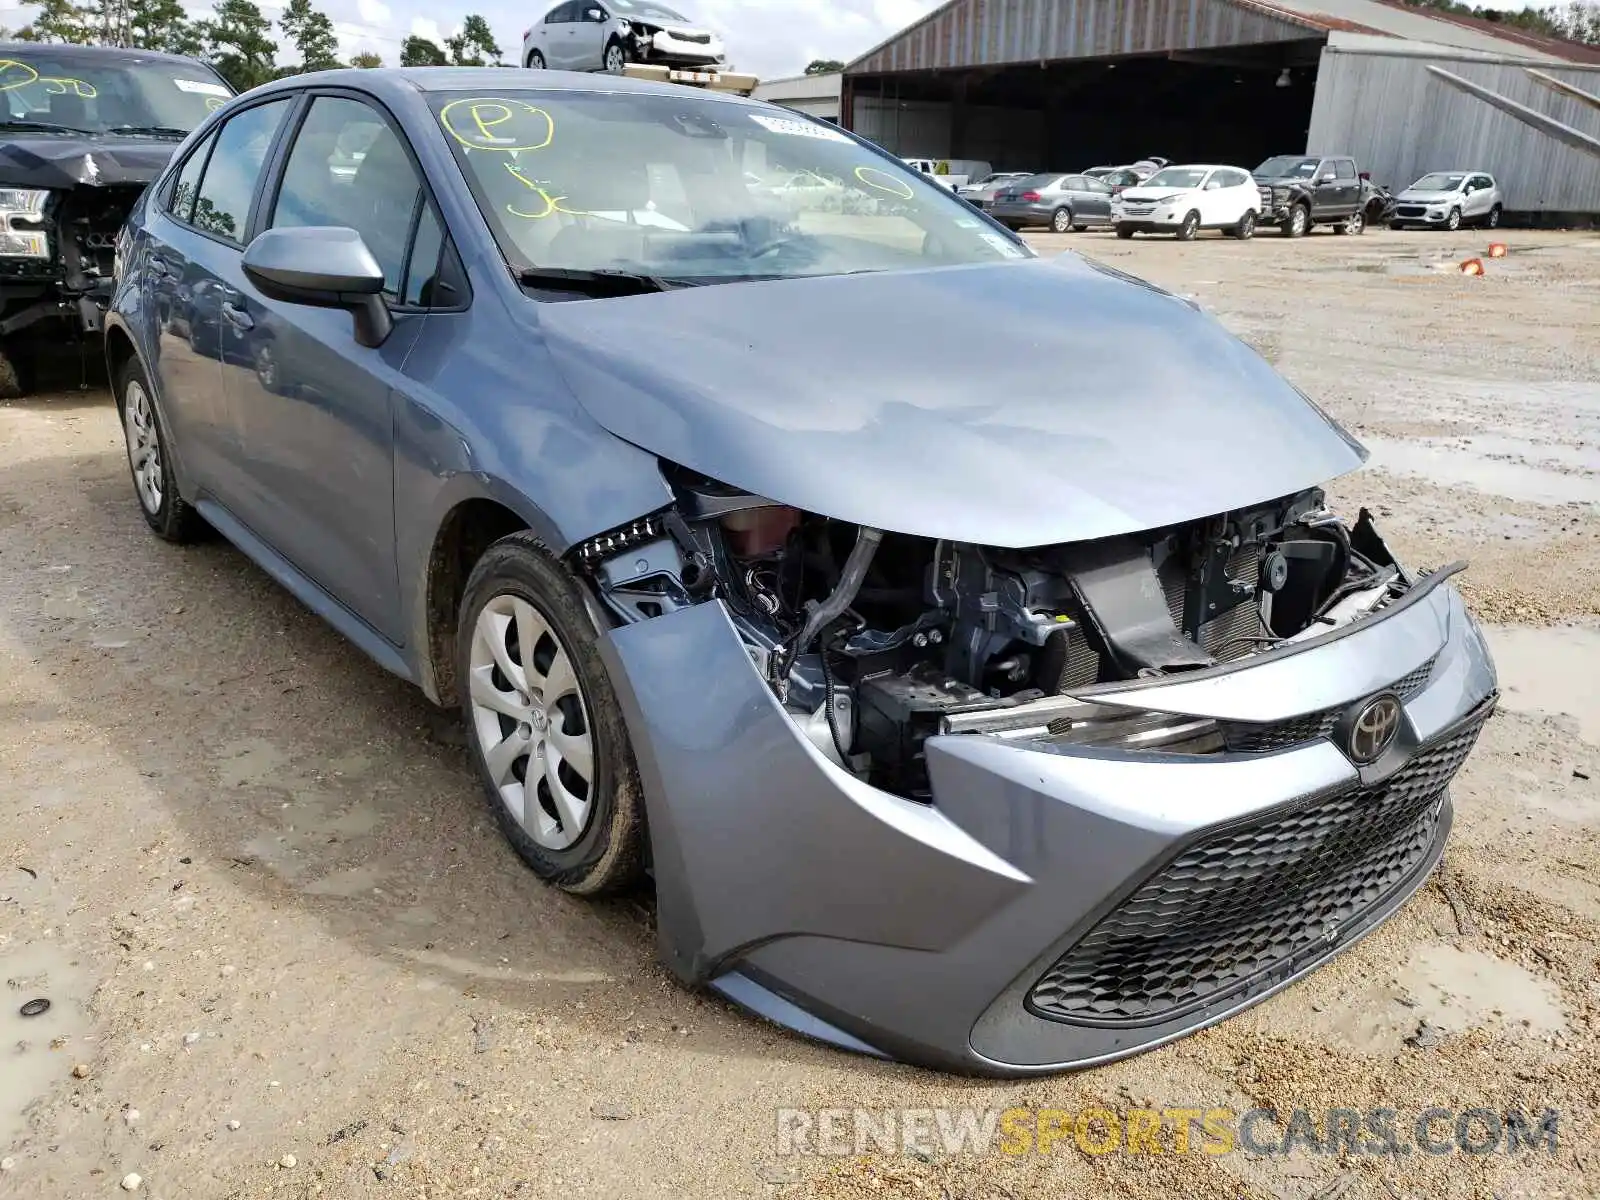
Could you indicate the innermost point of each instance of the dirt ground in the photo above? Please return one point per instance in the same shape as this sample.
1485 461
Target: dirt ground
289 955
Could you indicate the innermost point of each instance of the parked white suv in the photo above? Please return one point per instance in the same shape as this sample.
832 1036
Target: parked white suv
1449 200
1186 199
606 35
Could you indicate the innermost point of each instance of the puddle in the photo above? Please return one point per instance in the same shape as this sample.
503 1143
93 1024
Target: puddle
29 1067
1551 672
1481 464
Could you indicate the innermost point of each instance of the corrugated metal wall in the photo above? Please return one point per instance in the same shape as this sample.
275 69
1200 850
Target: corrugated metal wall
1400 122
1009 138
985 32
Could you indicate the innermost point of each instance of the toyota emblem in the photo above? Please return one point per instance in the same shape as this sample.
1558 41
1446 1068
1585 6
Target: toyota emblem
1374 727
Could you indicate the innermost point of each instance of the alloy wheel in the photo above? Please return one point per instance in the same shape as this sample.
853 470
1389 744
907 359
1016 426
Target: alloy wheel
1061 220
532 721
1357 222
1297 221
1494 217
614 60
1453 221
1190 226
144 446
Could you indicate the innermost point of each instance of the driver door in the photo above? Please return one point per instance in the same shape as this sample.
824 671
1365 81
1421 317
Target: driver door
589 29
315 403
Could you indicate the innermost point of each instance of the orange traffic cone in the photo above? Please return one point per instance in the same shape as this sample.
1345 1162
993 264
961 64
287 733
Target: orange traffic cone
1497 249
1472 266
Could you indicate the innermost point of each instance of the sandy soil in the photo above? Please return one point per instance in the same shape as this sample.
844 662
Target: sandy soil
288 954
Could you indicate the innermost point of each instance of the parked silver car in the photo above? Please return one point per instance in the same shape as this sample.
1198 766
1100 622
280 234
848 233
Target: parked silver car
982 192
606 35
1055 199
1448 200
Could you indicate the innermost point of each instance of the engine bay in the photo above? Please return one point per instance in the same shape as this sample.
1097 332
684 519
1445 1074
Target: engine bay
876 641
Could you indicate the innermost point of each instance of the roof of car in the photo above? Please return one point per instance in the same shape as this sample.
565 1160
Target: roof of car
492 80
106 52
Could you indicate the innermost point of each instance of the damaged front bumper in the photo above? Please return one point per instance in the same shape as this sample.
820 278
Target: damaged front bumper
1055 906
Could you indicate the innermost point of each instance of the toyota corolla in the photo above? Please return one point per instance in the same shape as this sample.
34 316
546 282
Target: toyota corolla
994 728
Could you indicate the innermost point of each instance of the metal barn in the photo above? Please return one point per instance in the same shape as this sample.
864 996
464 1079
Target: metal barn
1069 84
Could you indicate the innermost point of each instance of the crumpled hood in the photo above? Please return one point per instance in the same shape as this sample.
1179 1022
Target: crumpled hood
1009 404
47 160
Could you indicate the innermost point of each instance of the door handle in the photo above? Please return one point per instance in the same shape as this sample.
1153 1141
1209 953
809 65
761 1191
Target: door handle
236 316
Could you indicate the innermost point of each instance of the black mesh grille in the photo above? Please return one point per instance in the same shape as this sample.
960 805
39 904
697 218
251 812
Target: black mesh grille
1252 738
1218 918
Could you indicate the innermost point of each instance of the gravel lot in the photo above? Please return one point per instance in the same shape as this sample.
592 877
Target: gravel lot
288 954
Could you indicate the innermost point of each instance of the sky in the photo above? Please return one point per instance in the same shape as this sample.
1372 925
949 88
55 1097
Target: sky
770 38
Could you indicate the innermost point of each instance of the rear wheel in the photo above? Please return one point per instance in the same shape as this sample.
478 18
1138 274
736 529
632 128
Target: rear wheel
544 724
1190 227
1356 222
535 60
149 462
1061 220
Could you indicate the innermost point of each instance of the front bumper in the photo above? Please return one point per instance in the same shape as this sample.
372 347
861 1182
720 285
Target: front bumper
673 50
1055 907
1421 214
1149 217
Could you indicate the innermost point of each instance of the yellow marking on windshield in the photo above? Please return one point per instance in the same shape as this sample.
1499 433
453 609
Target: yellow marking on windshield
60 85
214 102
495 123
7 84
552 204
891 186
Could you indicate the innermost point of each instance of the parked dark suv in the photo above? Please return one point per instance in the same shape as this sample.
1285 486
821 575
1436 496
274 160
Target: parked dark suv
84 129
1302 190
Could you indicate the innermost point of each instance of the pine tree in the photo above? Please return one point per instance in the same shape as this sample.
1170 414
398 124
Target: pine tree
475 40
420 52
239 45
312 34
62 21
162 25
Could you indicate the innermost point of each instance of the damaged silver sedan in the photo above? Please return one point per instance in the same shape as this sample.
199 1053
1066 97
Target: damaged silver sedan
1004 729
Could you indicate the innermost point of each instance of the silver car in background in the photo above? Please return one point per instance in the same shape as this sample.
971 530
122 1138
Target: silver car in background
606 35
1056 199
982 192
1449 200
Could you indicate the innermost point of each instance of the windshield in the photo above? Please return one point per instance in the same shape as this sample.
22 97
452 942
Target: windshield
700 187
646 9
103 94
1177 177
1287 166
1438 182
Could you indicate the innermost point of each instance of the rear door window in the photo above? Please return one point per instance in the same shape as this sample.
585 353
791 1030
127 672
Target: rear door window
222 203
1344 168
187 185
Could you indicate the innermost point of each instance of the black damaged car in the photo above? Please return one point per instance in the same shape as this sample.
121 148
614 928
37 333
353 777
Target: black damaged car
83 130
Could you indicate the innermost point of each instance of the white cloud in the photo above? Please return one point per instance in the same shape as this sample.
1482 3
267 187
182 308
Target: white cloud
427 27
373 12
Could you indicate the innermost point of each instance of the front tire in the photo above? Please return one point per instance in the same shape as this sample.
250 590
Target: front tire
1453 221
149 461
535 61
1493 219
1124 232
1246 228
1297 222
1061 220
544 724
615 59
1190 227
1079 228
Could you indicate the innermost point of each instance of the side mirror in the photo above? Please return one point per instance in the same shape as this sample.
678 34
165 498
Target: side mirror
324 266
595 14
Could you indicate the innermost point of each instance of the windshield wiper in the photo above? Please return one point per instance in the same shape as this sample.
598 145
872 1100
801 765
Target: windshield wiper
596 283
151 130
46 127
